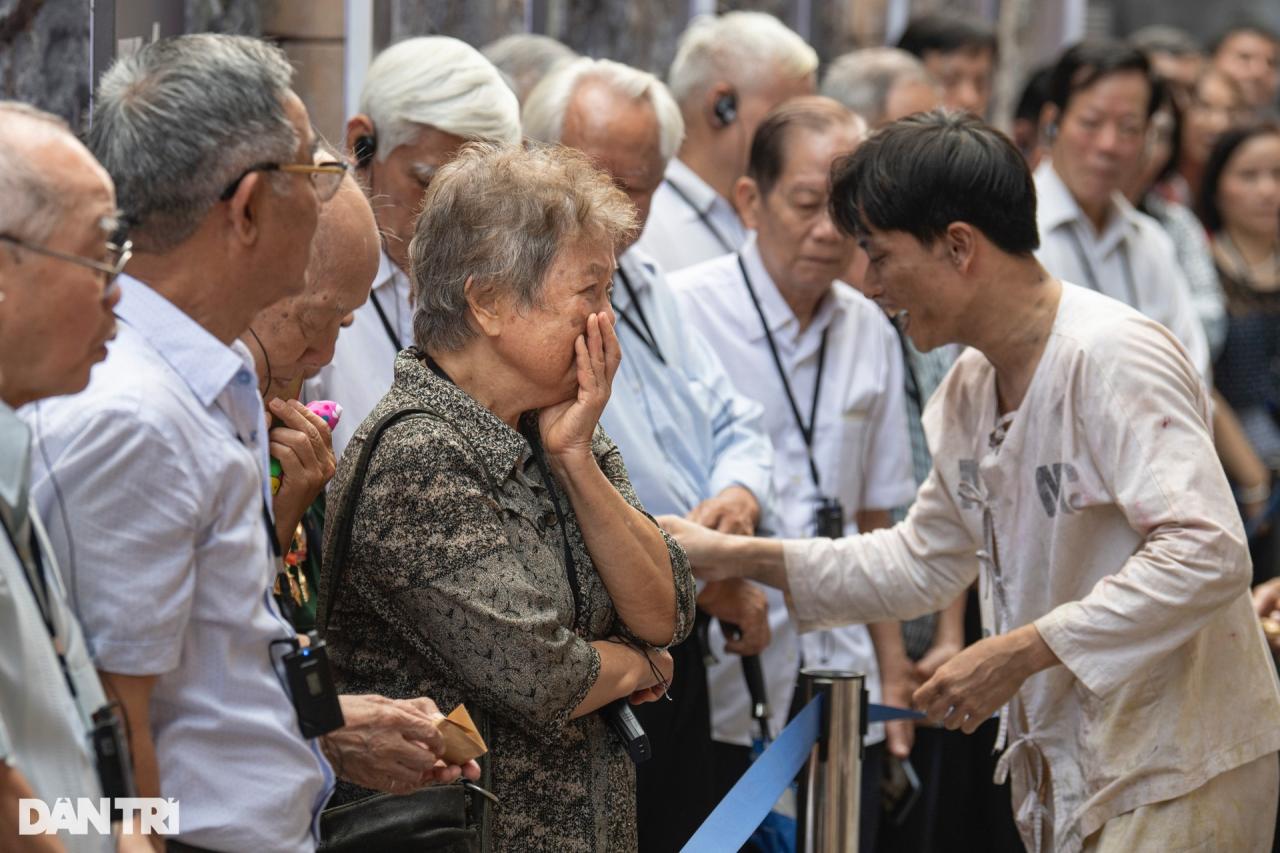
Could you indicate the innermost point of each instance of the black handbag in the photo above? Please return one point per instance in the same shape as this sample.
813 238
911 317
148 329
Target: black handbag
451 818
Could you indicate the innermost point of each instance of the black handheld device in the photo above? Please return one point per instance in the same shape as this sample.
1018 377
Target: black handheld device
623 721
311 688
829 516
111 754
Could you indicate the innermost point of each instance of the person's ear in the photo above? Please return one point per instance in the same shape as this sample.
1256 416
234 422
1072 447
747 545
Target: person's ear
242 208
1049 122
747 200
361 140
961 245
485 305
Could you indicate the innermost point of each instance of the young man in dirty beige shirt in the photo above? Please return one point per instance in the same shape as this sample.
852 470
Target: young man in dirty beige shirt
1074 477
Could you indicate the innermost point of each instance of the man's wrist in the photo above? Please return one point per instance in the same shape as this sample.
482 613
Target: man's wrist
1033 653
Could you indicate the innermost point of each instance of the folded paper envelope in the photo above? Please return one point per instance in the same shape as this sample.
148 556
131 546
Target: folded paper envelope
462 741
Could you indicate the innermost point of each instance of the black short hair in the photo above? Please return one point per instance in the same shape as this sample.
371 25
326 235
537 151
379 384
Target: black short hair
924 172
1223 150
1243 25
947 32
813 113
1035 94
1087 62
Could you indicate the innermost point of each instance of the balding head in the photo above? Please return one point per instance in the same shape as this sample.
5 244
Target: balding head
55 314
299 333
621 117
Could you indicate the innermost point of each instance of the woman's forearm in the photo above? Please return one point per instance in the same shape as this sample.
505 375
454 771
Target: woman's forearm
623 671
628 550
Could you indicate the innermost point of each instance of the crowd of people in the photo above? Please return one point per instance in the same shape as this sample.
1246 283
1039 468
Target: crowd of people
991 420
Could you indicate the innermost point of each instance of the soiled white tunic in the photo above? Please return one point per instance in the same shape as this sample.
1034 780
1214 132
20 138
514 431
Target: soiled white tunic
1114 531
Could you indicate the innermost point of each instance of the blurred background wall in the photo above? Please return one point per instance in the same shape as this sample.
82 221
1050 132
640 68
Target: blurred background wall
52 50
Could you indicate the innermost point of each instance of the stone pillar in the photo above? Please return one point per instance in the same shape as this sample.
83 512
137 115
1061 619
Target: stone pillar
312 34
44 56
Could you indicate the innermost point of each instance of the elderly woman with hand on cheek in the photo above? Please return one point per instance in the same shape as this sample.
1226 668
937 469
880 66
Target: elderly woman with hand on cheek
484 543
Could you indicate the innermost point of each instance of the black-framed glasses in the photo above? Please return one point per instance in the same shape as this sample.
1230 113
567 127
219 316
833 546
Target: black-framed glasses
325 177
117 257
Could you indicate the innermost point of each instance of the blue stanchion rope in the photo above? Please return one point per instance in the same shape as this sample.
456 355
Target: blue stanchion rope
749 801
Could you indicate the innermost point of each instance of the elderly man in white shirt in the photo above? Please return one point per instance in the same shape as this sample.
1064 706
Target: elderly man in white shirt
423 99
728 73
57 272
158 470
826 364
1101 101
1074 477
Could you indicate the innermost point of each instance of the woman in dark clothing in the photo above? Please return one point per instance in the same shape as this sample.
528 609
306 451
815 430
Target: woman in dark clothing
498 555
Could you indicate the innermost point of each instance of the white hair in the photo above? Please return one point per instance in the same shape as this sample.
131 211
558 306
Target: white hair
441 82
525 58
33 201
741 48
545 108
863 79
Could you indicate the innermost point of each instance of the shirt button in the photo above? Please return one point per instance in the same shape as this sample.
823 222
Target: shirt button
548 520
243 377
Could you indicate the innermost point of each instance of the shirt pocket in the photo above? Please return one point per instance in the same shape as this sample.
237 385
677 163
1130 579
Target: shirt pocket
855 432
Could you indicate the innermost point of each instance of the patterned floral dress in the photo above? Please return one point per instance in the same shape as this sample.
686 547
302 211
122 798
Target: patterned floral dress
454 594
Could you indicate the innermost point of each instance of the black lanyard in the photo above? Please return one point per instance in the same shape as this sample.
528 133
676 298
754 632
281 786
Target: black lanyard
34 573
531 436
382 315
1087 266
914 391
646 336
806 432
702 216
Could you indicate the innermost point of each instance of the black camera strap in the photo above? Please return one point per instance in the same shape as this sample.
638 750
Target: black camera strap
806 431
647 337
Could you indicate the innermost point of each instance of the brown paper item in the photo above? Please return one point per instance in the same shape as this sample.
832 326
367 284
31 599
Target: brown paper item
462 742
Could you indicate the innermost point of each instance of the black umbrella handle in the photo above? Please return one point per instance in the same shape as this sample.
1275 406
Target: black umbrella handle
754 674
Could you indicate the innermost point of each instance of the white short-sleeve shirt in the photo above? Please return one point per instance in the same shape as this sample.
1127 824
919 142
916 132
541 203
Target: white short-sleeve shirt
161 469
861 447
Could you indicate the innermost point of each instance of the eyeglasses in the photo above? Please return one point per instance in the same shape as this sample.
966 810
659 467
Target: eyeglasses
325 177
118 256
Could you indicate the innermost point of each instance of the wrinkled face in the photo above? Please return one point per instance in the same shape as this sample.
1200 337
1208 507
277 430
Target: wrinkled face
1101 136
904 275
299 334
56 316
908 97
799 244
1215 106
1250 59
622 137
965 77
538 342
1249 192
396 185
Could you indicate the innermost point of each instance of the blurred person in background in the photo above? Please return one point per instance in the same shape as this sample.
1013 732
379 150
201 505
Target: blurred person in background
881 84
728 73
423 99
1216 104
1240 204
1175 57
525 58
959 50
694 445
1159 161
1028 133
1248 53
1102 98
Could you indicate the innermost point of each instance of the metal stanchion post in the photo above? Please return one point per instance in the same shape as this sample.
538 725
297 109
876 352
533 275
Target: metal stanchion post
831 784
